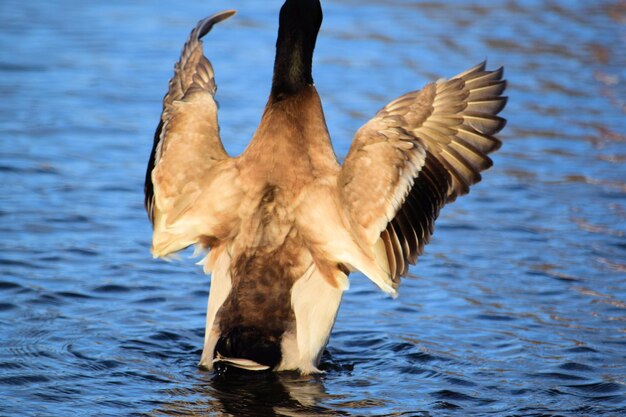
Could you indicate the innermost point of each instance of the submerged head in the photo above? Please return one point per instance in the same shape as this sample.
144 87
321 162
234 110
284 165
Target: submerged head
299 24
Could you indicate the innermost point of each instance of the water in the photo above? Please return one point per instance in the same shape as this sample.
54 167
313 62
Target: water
517 307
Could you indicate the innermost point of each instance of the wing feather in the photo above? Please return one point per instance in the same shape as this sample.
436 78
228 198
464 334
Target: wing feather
193 75
446 130
187 153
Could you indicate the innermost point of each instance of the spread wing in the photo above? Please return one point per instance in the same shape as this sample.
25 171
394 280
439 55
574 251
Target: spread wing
187 148
418 153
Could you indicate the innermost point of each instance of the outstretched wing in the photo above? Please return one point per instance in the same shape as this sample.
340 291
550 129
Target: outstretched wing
187 145
418 153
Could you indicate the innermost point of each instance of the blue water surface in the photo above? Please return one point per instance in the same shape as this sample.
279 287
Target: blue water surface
518 306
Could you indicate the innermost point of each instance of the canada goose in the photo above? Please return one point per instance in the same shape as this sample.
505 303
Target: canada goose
284 221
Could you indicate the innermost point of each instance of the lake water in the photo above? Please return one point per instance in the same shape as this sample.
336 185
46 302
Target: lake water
518 306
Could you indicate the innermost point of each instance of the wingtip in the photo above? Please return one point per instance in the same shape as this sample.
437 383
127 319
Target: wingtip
482 68
391 290
205 25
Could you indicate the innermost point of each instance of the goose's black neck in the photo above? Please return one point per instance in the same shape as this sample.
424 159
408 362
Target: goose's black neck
300 21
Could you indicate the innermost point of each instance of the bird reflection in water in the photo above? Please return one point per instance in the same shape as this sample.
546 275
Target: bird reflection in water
238 392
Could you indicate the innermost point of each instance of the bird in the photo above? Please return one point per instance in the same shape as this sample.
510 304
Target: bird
284 223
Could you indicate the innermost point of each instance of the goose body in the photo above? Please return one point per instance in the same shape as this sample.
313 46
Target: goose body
284 222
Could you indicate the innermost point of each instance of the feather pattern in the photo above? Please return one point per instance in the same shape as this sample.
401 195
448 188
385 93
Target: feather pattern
193 82
188 161
420 151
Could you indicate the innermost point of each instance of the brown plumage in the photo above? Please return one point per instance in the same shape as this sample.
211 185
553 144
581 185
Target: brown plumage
285 223
430 147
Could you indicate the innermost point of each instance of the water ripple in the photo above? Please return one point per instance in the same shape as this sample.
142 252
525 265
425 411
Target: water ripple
516 308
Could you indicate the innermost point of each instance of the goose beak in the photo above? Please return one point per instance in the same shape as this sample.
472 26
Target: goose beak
246 364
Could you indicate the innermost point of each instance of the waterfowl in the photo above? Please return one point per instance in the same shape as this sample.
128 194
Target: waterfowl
285 223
